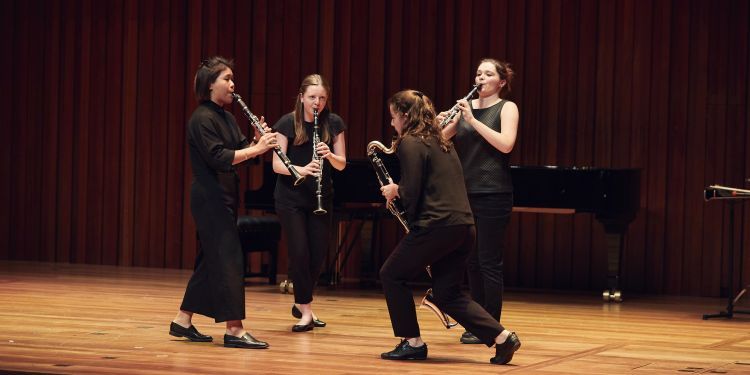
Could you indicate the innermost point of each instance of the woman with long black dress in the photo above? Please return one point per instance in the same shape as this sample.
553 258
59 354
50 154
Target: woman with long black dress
216 144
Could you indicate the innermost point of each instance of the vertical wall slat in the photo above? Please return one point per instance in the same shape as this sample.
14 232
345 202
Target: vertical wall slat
113 124
678 117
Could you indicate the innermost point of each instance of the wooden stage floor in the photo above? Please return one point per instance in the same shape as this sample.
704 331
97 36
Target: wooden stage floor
79 319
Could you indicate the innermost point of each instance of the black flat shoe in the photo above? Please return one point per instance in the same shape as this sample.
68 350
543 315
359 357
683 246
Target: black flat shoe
303 327
191 333
247 341
405 351
298 314
469 338
504 352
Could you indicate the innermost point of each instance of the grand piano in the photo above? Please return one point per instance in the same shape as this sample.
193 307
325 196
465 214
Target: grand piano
612 195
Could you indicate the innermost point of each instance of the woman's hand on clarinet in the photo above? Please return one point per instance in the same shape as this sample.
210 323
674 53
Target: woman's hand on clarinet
466 113
442 115
264 125
390 192
311 169
267 142
323 150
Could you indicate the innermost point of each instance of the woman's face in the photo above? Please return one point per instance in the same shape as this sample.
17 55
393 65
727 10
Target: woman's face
222 88
314 97
398 120
488 77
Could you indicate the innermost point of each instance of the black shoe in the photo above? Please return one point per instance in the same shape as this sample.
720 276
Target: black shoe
469 338
191 333
405 351
298 314
504 352
303 327
296 311
247 341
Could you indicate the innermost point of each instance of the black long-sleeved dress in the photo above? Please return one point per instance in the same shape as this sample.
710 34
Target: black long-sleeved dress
216 288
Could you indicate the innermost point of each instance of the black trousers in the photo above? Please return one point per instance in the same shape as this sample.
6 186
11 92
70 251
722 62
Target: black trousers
217 287
445 249
307 236
485 263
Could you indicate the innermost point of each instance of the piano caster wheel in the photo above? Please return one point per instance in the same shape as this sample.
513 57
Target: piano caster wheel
612 296
286 286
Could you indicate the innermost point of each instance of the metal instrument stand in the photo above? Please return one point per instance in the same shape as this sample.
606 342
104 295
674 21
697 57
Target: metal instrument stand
730 311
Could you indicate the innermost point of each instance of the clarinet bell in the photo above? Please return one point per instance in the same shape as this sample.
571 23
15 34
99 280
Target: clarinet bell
298 178
320 210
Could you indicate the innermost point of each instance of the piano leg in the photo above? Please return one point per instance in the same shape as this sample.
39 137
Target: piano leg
354 225
615 242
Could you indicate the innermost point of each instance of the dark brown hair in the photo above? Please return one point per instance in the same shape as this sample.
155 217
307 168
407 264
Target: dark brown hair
206 74
503 70
420 117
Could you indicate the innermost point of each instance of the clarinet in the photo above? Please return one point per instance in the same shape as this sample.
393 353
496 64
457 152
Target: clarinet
298 178
454 110
318 189
395 206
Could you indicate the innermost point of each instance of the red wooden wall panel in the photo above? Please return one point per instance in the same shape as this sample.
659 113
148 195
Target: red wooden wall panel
696 146
173 154
95 166
112 124
50 109
677 149
715 136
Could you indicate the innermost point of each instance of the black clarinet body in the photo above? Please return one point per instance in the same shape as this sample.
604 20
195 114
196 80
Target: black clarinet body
384 178
454 110
319 178
298 178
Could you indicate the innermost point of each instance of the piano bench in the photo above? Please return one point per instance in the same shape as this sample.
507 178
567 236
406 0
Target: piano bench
260 233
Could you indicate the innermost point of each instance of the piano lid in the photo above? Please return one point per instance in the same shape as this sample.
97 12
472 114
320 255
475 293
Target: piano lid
612 194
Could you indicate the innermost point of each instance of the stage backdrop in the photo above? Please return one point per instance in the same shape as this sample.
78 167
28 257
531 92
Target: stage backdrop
96 95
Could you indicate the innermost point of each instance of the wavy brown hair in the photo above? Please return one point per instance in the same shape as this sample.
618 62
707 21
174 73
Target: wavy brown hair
420 117
300 136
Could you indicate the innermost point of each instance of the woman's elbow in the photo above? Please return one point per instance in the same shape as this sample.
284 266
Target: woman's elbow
343 165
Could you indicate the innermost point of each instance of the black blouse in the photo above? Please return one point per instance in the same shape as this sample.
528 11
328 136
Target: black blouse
304 195
213 136
431 186
486 170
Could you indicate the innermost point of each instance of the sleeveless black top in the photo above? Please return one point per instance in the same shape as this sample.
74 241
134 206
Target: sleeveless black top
486 169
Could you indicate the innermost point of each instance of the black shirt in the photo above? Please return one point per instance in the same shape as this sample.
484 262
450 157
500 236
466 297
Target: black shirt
304 195
431 187
486 169
213 136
